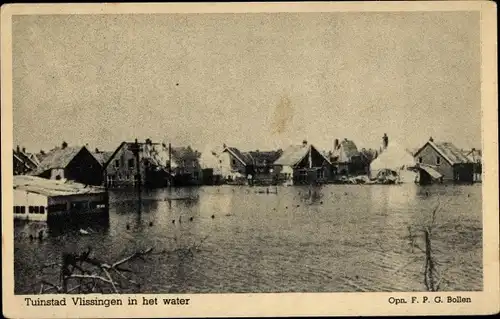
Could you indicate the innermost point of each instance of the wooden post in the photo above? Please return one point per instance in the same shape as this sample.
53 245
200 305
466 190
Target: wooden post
169 164
136 150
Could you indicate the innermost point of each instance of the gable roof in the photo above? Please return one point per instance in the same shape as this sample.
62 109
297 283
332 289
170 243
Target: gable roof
49 187
268 157
27 159
473 155
293 154
244 158
20 161
58 158
155 153
102 157
345 150
448 151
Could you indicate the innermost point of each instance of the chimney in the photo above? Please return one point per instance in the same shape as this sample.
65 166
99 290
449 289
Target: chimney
385 141
224 145
336 144
304 143
24 150
18 149
431 139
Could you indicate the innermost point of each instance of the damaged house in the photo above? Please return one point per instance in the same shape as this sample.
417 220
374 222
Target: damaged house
303 164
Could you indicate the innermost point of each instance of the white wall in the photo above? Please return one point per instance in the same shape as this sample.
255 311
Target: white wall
57 172
27 199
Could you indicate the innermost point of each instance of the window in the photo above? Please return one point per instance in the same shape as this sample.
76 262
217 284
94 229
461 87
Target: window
420 160
117 163
320 174
234 162
79 205
23 209
18 210
131 163
41 210
57 208
31 210
195 174
438 160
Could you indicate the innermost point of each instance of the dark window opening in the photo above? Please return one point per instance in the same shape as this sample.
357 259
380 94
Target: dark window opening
57 208
131 163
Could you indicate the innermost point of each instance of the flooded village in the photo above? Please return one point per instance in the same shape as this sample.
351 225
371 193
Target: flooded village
264 152
294 219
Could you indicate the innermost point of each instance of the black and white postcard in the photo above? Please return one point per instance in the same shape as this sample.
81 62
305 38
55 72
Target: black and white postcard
249 159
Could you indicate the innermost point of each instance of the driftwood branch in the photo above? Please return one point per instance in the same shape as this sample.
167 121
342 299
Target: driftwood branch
83 273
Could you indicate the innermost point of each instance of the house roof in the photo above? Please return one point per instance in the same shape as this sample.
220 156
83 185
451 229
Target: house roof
58 158
49 187
244 158
157 153
102 157
27 159
431 171
448 151
264 156
21 161
345 150
293 154
473 155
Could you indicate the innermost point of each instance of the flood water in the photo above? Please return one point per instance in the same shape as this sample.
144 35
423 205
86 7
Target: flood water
352 238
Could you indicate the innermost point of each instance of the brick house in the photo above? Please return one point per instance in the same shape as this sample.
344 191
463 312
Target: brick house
123 170
447 159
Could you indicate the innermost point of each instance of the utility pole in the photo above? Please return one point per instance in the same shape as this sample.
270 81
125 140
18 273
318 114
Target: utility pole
169 164
136 149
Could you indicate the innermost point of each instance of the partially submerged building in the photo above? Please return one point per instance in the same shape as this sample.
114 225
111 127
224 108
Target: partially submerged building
447 159
39 199
149 166
394 160
236 166
185 166
70 163
303 164
346 159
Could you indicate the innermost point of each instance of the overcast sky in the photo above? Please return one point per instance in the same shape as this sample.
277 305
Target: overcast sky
254 81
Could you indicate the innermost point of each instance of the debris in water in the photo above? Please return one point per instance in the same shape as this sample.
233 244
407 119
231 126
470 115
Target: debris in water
84 232
150 224
213 216
191 219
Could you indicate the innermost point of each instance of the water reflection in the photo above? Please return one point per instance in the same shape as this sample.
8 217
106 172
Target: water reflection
329 238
